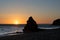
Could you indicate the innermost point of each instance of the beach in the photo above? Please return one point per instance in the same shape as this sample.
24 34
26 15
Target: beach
47 34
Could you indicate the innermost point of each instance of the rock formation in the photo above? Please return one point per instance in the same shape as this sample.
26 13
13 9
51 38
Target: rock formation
31 26
56 22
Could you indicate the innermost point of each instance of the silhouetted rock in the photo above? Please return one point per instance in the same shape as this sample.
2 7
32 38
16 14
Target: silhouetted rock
31 26
56 22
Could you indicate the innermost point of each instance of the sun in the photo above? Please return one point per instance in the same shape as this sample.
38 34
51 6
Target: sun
16 22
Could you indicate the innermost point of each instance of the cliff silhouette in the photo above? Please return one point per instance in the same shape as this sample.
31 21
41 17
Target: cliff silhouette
56 22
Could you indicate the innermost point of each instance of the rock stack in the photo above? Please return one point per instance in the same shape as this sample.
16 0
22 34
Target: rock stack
56 22
31 26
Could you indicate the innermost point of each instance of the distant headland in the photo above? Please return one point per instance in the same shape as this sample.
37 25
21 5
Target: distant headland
56 22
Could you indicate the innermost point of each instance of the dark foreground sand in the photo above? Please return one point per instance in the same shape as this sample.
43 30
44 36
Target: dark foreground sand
41 35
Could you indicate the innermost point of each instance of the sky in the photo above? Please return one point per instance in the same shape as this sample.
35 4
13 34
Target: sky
42 11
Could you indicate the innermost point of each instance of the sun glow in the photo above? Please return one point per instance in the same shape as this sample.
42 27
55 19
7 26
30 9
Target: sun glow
16 22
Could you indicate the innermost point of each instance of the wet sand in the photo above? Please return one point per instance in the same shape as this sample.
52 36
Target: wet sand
49 34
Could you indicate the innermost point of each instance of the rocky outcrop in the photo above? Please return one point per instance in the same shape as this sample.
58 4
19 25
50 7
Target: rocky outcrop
31 26
56 22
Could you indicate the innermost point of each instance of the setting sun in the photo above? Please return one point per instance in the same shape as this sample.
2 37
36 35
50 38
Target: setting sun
16 22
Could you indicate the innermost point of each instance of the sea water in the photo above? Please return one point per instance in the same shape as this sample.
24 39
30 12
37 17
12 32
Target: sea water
8 30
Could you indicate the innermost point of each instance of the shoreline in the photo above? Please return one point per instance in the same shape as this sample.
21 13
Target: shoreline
41 35
19 33
11 34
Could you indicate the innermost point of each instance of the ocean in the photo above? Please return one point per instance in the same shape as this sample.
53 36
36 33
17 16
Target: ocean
11 30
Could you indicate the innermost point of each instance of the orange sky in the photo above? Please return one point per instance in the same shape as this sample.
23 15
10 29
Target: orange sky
18 11
22 20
